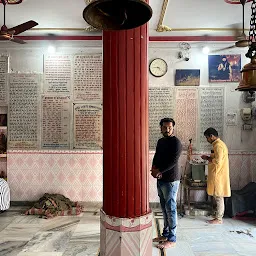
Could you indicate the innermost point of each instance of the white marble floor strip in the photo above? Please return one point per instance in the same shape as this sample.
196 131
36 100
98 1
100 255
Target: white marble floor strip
80 235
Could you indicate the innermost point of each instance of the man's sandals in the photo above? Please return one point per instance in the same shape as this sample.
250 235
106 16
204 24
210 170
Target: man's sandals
166 245
163 243
160 239
214 221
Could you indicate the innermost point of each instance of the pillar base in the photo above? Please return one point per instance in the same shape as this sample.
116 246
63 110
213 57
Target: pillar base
125 236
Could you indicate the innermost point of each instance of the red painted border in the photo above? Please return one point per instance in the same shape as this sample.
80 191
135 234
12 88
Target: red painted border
151 38
238 2
122 228
191 38
58 38
23 152
53 153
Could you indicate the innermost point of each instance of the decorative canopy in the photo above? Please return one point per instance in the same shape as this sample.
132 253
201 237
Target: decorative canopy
12 1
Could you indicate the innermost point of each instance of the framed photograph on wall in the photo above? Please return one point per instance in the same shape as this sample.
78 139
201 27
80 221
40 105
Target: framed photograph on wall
224 68
187 77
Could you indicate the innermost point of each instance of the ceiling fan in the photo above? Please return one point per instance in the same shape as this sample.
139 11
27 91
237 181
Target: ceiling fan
242 40
9 33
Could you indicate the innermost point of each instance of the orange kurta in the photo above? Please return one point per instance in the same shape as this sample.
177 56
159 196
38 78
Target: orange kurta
218 182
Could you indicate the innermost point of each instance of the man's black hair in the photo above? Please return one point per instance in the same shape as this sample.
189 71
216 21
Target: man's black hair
211 131
167 119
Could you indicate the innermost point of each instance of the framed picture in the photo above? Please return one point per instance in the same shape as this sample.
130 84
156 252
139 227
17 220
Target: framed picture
187 77
224 68
3 119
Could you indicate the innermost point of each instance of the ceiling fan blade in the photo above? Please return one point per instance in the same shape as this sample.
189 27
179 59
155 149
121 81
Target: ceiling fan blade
23 27
11 38
224 49
17 40
242 43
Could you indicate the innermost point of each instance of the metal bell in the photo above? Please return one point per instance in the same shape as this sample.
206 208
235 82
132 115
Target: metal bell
248 80
117 14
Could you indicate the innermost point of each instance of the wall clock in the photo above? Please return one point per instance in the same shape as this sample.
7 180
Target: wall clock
158 67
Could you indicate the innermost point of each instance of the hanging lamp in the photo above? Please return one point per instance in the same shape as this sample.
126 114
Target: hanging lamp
248 80
117 14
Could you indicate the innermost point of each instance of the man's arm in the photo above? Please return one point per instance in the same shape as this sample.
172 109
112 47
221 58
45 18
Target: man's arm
218 159
155 170
155 158
230 73
220 67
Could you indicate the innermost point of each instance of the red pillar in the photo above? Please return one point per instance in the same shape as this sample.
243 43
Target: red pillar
125 212
126 220
125 123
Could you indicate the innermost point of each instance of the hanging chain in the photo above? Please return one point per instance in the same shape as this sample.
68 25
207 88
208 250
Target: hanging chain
252 33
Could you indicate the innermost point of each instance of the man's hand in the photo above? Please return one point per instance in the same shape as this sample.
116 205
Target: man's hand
205 157
156 173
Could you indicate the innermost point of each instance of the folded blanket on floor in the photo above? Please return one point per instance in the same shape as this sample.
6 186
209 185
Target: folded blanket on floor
51 205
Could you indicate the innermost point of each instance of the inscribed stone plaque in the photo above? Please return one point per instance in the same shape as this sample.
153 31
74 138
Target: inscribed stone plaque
24 115
160 106
186 109
88 77
211 112
87 126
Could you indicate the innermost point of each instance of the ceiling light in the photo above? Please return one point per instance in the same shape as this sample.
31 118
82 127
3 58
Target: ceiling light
205 50
51 49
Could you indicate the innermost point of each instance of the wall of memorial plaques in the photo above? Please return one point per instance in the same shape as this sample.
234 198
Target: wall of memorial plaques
55 101
56 106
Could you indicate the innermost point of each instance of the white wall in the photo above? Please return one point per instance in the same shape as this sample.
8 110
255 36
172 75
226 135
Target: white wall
78 175
236 139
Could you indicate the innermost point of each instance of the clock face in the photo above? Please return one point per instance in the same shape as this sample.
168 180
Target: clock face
158 67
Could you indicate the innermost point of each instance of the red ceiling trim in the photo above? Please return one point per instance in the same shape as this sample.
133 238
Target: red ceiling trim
191 38
58 38
235 1
151 38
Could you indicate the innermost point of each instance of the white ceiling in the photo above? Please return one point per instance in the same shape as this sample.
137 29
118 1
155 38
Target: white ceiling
64 17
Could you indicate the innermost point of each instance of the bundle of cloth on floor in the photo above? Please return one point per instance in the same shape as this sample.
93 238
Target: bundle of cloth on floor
242 202
51 205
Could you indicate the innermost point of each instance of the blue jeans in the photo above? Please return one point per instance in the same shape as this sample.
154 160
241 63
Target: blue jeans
167 192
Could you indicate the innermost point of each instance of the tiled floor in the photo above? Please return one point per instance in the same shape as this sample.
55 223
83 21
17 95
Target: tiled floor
80 235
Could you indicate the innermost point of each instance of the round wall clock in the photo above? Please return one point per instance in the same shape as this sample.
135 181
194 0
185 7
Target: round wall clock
158 67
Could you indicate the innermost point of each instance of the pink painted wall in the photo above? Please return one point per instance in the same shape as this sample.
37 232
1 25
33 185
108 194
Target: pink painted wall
78 175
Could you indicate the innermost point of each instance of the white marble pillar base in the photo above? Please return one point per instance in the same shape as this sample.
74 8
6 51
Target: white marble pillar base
125 237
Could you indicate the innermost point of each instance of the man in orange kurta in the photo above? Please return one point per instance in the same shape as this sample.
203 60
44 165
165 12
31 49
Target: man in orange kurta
218 182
